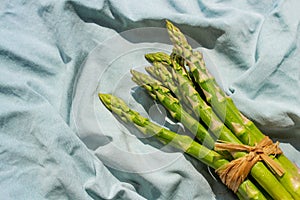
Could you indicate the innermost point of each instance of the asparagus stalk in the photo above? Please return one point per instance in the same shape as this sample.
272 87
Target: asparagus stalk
152 86
175 61
156 90
247 189
214 94
244 128
163 94
184 89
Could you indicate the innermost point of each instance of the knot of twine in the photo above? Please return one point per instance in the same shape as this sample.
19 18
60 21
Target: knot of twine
235 172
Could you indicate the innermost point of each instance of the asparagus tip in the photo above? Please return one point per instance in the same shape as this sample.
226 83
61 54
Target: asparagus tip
157 57
132 71
148 57
105 99
171 27
169 24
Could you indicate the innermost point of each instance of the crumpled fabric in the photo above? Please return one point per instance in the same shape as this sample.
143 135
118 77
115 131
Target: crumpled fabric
57 139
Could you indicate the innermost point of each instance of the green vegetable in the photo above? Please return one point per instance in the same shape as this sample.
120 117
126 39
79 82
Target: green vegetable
156 90
159 92
225 108
247 189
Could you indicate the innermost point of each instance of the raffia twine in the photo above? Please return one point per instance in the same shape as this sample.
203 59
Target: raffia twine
235 172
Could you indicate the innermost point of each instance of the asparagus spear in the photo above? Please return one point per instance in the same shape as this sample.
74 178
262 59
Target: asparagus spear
159 92
247 189
184 89
214 95
244 128
163 94
176 62
156 90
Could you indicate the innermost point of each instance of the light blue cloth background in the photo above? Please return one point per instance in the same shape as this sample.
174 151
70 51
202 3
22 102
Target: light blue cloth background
50 146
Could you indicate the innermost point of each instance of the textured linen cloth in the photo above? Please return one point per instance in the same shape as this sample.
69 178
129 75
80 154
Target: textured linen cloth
57 139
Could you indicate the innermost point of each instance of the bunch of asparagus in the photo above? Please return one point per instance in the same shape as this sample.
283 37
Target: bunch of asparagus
183 85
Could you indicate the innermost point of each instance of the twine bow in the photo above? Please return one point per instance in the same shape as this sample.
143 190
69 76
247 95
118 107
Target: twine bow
235 172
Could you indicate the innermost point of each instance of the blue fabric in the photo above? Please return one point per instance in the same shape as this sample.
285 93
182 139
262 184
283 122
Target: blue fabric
57 140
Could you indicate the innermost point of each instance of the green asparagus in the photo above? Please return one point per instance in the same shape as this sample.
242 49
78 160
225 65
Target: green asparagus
153 87
247 190
163 94
184 90
223 105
